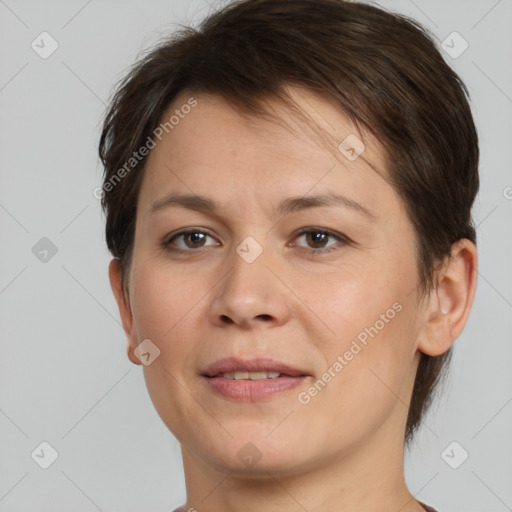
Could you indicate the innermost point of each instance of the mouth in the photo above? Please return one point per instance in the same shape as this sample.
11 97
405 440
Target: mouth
241 375
252 380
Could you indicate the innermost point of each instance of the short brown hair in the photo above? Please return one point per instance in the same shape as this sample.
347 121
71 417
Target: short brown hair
382 69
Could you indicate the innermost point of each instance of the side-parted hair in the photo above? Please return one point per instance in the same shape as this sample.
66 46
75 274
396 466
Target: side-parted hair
382 69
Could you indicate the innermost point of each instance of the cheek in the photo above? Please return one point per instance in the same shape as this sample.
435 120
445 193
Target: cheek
163 304
370 314
160 300
367 366
354 297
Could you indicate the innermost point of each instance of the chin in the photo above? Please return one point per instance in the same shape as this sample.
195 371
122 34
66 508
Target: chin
253 454
260 466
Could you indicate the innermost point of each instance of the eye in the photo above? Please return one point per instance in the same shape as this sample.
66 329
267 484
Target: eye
192 238
318 238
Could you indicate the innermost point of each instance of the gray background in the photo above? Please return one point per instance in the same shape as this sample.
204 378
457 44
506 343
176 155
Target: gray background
64 374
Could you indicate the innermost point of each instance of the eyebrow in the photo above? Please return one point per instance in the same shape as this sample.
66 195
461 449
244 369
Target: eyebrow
290 205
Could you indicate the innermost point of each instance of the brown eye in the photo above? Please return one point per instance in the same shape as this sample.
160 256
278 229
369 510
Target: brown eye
191 239
317 240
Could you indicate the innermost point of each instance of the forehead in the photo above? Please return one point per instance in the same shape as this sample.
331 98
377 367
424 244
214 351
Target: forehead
280 127
213 147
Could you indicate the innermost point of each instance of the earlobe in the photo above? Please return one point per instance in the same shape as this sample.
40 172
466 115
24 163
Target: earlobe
123 304
450 302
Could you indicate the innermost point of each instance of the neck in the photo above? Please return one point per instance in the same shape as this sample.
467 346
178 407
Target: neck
370 477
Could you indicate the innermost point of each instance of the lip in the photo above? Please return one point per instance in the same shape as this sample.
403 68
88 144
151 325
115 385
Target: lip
252 390
261 364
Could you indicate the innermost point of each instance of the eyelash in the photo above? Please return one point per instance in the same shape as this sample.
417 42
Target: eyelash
166 244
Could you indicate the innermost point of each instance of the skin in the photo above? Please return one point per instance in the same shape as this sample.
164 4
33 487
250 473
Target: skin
343 451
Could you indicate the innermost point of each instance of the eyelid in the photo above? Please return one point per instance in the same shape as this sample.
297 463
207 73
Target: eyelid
343 239
185 231
334 234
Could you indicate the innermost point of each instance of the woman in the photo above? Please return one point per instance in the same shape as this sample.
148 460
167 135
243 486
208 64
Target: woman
288 195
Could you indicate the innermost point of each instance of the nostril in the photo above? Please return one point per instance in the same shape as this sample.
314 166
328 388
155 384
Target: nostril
265 317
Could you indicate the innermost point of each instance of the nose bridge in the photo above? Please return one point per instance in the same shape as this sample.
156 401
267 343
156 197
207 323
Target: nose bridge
250 291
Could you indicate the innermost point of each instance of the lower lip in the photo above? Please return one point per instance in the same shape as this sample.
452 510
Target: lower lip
253 390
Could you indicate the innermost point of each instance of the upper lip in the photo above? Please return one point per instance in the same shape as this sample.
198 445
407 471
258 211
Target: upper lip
261 364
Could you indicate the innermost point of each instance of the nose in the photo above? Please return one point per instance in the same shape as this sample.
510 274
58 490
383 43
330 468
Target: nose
251 294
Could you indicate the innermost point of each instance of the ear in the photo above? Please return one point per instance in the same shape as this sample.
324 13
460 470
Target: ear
123 303
449 303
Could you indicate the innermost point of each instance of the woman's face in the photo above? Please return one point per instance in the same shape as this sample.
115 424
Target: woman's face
321 292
